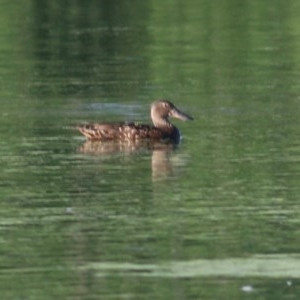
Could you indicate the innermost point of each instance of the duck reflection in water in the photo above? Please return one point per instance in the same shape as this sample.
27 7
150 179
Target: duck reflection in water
164 158
129 137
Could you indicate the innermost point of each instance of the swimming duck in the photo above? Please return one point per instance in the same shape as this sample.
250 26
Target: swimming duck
161 129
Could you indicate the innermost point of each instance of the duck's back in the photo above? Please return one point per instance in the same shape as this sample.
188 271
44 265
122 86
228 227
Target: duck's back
122 131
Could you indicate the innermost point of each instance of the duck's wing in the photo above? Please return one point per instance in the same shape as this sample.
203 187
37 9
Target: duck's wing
100 131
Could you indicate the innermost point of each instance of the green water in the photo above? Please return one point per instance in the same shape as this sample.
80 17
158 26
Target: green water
216 218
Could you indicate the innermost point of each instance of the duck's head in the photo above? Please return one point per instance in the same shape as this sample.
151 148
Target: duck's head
161 110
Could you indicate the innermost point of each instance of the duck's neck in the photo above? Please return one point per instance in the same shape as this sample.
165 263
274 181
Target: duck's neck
162 123
169 129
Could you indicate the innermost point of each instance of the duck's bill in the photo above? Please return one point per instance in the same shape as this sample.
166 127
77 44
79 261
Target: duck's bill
176 113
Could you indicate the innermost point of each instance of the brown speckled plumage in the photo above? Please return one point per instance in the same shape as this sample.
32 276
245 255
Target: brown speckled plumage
162 129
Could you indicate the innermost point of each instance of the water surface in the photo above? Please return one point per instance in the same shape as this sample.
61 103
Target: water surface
215 218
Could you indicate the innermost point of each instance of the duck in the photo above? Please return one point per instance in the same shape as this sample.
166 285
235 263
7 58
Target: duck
161 130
